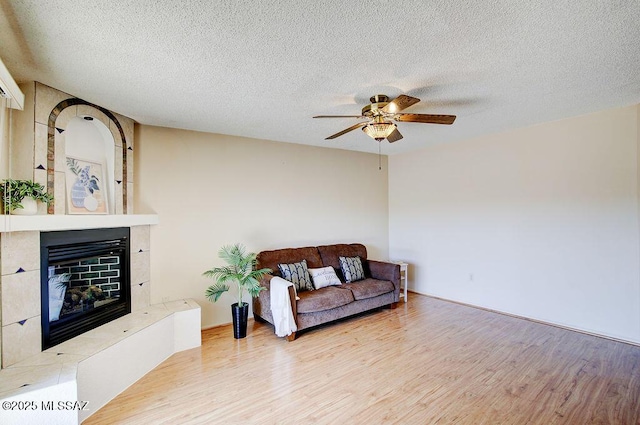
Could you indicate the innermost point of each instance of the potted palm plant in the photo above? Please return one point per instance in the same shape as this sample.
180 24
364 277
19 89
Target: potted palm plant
21 196
241 270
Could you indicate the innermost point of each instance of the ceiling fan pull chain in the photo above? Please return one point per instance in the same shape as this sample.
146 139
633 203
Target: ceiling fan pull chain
379 157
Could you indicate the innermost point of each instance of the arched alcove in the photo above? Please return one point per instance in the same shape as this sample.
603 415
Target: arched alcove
90 141
96 135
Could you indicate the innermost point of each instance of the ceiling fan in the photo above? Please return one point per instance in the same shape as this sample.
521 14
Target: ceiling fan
381 112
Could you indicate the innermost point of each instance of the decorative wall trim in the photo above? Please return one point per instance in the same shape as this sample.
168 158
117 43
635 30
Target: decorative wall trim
53 116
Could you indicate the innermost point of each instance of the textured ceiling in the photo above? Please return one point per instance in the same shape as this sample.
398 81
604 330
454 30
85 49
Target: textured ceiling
263 68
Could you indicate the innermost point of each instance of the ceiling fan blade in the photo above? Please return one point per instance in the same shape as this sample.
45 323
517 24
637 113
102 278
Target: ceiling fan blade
394 136
399 103
353 127
426 118
338 116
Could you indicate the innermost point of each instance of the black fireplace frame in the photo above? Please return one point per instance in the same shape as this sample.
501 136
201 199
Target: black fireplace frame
64 245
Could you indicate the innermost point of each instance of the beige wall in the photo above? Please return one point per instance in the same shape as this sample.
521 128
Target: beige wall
16 140
22 137
540 222
210 190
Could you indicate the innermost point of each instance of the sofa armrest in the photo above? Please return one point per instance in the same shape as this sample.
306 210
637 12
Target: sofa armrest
294 303
385 271
262 303
265 282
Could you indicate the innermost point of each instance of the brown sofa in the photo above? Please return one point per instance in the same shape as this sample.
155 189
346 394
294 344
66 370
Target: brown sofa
380 288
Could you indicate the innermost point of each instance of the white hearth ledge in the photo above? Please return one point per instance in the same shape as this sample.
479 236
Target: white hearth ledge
46 223
97 365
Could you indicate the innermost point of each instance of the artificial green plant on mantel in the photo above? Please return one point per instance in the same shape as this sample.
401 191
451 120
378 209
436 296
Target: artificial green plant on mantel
241 270
14 193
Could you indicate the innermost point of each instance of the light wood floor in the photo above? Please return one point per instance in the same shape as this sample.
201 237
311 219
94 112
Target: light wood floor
427 362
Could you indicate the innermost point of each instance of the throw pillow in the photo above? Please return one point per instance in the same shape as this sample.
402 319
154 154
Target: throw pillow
298 274
324 276
351 268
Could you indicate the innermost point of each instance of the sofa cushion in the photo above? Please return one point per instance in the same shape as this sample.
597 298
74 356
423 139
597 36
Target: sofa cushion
271 259
369 288
298 274
351 268
323 299
330 254
324 276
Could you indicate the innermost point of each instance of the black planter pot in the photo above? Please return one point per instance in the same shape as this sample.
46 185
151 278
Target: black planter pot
240 317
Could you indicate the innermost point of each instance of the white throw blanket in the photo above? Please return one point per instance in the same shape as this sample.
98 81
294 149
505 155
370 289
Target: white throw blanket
281 307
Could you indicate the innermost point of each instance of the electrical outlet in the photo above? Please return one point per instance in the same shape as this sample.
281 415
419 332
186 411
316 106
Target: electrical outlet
470 277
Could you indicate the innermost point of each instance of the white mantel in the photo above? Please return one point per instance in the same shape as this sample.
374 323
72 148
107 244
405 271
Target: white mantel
52 222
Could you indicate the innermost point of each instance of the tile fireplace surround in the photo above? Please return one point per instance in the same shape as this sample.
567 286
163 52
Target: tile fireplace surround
81 369
73 371
20 250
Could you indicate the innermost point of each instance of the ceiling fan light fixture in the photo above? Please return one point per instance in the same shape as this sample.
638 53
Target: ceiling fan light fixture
381 112
379 130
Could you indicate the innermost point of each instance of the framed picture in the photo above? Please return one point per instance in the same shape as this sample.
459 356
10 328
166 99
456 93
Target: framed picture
86 190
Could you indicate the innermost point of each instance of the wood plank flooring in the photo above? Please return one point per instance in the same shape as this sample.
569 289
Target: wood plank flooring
427 362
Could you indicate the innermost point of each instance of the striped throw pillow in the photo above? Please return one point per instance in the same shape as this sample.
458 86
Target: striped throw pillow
351 268
298 274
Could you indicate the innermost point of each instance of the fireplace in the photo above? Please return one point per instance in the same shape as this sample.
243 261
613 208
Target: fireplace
84 281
